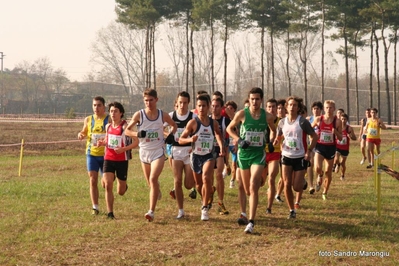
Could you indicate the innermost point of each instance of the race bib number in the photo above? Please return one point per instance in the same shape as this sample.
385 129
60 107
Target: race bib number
344 141
96 137
152 135
291 143
373 132
255 138
114 141
204 144
326 137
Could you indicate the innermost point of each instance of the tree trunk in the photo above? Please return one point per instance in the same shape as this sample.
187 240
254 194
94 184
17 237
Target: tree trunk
187 50
262 47
371 66
287 63
212 57
272 62
153 59
356 79
226 35
192 66
346 68
386 50
377 57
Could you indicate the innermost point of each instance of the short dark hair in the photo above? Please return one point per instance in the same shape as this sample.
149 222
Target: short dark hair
232 104
256 90
204 97
375 110
202 92
345 116
342 110
150 92
272 100
117 105
218 93
281 102
184 94
99 98
317 104
298 100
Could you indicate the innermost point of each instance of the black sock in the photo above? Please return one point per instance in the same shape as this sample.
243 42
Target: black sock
252 222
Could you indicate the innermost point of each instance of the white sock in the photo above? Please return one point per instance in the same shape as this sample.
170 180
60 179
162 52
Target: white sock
95 206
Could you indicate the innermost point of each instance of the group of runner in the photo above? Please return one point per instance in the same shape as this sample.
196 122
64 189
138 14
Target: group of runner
263 142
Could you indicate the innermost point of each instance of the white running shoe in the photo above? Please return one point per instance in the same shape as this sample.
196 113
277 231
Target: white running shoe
149 216
249 228
231 183
180 215
362 161
204 214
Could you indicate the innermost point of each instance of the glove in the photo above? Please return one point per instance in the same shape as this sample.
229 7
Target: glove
141 134
170 139
243 144
270 147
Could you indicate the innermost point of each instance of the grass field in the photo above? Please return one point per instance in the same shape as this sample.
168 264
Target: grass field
45 215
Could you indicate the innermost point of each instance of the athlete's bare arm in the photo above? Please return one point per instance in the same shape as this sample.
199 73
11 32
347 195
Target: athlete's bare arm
83 133
238 118
189 130
135 120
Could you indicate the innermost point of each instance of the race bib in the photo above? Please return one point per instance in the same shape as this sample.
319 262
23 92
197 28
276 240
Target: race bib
95 137
114 141
204 144
151 135
291 143
373 132
255 138
344 141
326 137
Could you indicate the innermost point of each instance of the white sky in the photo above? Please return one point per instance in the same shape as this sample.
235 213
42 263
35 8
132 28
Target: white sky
60 30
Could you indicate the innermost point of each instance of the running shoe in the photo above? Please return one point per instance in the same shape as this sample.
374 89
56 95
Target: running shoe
362 161
95 211
231 183
311 191
324 196
278 198
297 206
149 216
369 166
110 215
172 194
204 214
249 229
292 215
180 215
193 193
243 220
268 211
222 209
342 178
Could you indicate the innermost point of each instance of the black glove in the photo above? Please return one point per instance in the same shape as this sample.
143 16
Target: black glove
243 144
270 147
141 134
170 139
